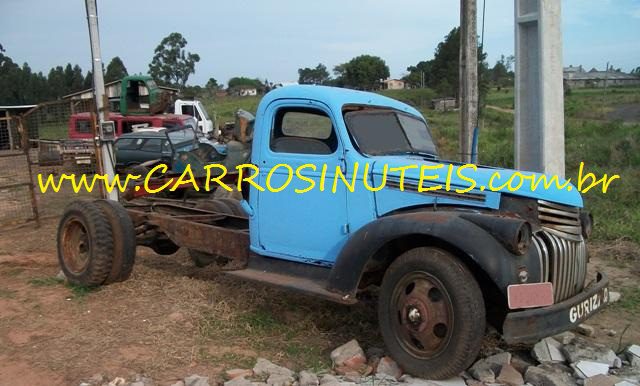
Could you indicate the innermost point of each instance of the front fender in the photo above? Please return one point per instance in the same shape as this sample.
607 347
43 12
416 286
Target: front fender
448 227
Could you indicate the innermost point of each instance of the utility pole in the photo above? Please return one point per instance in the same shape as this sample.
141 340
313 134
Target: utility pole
468 77
106 129
539 95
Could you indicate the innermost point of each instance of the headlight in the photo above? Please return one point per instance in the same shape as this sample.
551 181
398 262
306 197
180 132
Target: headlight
586 220
523 239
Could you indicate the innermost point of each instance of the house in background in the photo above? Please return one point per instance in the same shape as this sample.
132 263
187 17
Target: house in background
243 91
394 84
577 77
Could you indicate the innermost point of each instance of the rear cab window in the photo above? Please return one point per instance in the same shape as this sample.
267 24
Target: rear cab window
303 131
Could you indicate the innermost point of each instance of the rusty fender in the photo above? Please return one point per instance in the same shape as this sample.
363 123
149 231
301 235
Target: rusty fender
464 237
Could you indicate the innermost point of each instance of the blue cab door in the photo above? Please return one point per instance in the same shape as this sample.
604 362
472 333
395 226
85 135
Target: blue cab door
311 226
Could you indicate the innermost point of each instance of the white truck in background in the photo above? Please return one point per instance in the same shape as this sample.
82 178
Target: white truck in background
196 109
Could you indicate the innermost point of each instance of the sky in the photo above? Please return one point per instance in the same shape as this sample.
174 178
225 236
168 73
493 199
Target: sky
272 39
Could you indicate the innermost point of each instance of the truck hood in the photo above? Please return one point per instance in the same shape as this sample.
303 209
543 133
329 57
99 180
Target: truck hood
480 196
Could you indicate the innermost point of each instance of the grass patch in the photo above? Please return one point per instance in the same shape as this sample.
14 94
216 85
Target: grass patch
630 300
81 292
45 281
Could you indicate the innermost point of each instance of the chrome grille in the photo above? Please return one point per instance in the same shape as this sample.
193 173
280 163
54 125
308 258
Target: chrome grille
564 263
561 220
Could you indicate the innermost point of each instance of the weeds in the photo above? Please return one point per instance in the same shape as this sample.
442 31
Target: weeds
630 300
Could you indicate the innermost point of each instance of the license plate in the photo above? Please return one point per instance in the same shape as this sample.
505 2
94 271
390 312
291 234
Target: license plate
521 296
589 306
83 161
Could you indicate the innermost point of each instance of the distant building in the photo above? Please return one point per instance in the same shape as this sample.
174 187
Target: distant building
242 91
112 91
394 84
577 77
444 104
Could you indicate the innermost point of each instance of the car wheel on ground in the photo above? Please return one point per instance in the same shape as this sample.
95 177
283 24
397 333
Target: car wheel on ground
431 313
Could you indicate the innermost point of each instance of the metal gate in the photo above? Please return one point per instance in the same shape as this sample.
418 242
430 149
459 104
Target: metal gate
17 195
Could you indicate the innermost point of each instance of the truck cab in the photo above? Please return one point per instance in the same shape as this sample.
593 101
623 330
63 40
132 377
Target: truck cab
196 109
351 194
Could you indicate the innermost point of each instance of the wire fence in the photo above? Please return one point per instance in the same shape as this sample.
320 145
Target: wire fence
17 196
60 141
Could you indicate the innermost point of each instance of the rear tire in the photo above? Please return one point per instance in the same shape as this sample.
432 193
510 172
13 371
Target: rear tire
431 313
124 240
85 244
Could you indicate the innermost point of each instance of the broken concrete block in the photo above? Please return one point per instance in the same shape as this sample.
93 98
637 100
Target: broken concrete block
587 369
307 378
280 380
585 329
388 367
510 376
548 350
581 349
264 367
565 337
349 354
614 296
482 372
538 376
601 380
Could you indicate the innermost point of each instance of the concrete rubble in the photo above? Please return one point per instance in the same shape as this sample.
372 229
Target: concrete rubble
566 359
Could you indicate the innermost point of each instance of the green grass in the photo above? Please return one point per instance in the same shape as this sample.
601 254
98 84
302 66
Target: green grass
630 300
45 281
79 292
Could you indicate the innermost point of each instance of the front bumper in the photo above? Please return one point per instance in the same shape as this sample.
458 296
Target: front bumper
532 325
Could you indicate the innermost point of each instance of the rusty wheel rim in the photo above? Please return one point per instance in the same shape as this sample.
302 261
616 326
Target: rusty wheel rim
423 321
76 246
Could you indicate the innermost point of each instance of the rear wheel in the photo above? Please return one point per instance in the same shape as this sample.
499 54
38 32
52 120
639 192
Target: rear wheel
431 313
85 244
124 240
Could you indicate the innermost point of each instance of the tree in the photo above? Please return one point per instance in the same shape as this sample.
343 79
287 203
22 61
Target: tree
318 75
171 64
362 72
241 81
442 72
212 84
115 70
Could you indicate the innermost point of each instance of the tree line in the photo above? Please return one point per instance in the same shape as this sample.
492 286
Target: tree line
441 73
172 65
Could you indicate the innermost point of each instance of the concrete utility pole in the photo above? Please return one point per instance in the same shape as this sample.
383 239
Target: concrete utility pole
539 94
105 140
468 77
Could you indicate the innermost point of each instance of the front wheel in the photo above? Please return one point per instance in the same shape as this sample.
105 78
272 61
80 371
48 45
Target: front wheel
431 313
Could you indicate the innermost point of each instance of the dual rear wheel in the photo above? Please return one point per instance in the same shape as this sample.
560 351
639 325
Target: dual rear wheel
96 243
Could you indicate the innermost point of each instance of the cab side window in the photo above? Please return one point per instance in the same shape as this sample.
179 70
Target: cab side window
303 131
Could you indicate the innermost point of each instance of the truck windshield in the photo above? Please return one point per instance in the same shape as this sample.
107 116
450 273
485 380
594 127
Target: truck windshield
389 132
205 115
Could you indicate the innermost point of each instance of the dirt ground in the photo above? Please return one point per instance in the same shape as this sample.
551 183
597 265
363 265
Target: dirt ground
171 319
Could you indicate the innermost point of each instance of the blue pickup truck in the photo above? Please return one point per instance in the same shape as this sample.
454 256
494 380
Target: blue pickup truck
445 261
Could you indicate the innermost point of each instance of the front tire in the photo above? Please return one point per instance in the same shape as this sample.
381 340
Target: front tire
431 313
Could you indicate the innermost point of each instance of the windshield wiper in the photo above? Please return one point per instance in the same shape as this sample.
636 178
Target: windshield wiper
413 152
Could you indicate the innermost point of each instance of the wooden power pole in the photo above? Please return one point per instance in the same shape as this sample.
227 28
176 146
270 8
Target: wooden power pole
468 77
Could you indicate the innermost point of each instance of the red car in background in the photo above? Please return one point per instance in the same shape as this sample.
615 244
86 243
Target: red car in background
80 124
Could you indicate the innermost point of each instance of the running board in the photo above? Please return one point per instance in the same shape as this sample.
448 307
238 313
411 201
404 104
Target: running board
296 283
